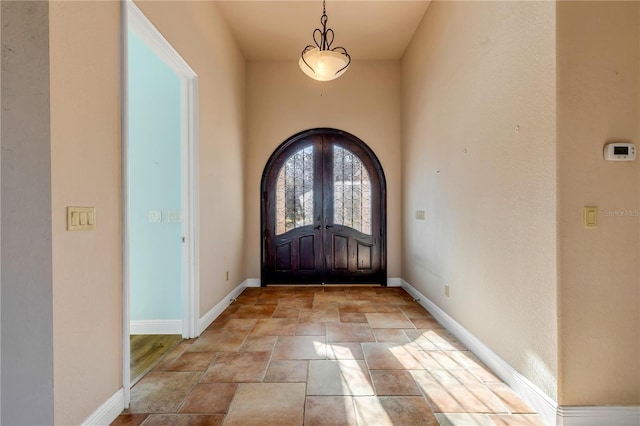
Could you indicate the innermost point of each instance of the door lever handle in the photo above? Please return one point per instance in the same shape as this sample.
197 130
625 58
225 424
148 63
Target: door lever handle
328 226
317 227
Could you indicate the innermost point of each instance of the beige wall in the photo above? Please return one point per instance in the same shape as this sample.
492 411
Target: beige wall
598 90
479 156
85 145
478 105
283 101
198 32
85 171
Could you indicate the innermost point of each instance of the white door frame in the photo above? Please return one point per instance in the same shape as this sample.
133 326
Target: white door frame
134 19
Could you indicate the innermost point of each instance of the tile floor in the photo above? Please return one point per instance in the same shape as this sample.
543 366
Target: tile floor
324 356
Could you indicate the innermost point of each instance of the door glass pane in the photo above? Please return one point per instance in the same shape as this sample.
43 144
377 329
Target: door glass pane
294 192
351 191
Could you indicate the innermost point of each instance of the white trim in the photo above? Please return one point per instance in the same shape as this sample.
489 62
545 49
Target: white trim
189 194
156 327
598 415
108 411
191 316
135 20
529 392
112 408
215 312
124 108
394 282
252 282
547 408
145 29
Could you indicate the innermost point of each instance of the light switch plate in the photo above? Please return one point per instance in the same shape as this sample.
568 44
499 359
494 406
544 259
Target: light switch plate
155 216
173 216
590 216
420 214
81 218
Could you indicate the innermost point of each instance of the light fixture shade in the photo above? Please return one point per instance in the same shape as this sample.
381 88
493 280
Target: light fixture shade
323 65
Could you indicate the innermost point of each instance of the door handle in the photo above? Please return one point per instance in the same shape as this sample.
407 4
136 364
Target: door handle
328 226
317 227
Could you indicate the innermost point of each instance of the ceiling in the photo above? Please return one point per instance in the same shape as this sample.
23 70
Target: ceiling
279 30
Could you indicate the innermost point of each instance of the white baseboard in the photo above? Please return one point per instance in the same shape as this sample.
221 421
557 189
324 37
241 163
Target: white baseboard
155 327
112 408
108 411
394 282
215 312
252 282
529 392
598 415
548 409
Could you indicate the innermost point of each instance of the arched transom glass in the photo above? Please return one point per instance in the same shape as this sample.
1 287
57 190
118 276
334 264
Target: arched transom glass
351 191
294 192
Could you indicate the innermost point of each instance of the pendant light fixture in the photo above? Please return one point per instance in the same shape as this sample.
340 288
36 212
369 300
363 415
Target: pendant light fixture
323 62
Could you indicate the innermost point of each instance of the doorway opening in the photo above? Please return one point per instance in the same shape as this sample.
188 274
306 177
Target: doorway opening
323 212
160 186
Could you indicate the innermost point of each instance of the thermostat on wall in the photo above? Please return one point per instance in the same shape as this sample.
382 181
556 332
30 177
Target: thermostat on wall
619 151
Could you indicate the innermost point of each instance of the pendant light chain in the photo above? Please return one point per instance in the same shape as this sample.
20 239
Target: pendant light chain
323 20
324 44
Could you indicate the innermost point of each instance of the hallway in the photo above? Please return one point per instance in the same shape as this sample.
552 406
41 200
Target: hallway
324 356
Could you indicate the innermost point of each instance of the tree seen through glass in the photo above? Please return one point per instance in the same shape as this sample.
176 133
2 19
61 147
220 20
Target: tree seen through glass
351 191
294 192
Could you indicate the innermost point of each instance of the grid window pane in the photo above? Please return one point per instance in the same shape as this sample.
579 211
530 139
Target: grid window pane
294 192
352 191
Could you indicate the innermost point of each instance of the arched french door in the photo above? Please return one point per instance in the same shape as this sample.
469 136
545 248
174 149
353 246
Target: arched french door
323 212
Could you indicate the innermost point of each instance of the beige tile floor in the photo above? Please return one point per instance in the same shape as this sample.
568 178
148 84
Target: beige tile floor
324 356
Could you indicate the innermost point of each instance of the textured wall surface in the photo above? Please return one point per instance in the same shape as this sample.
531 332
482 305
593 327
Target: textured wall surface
283 101
479 150
85 171
598 90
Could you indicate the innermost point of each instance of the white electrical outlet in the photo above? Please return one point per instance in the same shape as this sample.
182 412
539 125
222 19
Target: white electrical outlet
446 290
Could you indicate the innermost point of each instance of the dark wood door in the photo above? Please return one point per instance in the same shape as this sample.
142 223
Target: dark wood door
323 212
